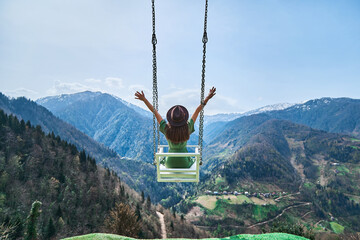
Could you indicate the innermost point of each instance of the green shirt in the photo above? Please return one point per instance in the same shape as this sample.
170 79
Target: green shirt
177 162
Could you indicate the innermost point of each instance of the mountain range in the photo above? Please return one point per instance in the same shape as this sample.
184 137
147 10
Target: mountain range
123 127
281 148
138 174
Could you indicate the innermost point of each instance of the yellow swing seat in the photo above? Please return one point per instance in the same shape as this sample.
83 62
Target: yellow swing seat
177 174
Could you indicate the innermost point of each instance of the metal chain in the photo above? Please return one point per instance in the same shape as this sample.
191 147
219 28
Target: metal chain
156 134
204 40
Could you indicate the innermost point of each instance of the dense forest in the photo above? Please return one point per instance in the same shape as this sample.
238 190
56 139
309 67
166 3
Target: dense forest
76 195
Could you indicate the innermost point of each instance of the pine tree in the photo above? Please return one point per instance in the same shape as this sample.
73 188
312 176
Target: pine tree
142 197
148 202
31 233
50 229
59 212
82 157
138 212
174 212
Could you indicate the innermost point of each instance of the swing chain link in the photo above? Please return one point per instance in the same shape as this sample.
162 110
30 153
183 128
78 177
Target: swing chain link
201 125
156 133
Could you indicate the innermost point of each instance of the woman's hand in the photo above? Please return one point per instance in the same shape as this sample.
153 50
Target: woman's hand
212 93
140 96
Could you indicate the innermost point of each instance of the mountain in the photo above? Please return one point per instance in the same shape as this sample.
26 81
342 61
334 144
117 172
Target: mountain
138 174
59 102
38 115
215 124
227 117
108 120
263 156
337 115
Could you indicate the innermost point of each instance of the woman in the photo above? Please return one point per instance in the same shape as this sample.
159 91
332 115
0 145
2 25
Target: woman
178 129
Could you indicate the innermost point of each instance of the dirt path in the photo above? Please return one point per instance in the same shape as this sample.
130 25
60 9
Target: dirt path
162 222
288 195
306 214
282 212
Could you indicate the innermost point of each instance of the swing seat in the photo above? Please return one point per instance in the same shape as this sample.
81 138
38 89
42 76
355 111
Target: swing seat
165 174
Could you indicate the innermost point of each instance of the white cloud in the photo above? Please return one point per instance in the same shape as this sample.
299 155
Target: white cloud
22 92
114 82
66 87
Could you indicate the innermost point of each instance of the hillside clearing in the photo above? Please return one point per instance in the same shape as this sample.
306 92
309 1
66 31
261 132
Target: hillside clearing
337 228
209 202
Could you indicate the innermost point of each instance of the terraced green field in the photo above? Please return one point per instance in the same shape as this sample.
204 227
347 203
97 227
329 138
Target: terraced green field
337 228
268 236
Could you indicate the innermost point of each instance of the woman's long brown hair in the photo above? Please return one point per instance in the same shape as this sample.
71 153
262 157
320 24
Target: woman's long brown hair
177 134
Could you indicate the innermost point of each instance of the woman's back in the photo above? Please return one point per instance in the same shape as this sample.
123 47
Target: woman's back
178 162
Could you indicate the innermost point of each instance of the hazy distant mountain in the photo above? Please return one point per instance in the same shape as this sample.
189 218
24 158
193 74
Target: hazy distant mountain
268 108
227 117
215 124
337 115
110 120
106 119
58 103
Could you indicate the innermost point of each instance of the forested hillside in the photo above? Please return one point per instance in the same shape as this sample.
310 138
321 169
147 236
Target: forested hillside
277 170
30 111
77 196
138 174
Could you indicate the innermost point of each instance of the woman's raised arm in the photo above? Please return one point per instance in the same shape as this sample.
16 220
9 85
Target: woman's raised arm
212 93
141 97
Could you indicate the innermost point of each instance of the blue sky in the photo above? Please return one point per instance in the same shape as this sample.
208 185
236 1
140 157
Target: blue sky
259 52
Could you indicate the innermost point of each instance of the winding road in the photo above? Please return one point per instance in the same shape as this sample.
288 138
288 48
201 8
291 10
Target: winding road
264 222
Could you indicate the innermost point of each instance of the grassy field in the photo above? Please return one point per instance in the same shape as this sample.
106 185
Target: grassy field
268 236
342 168
209 202
219 180
337 228
260 213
